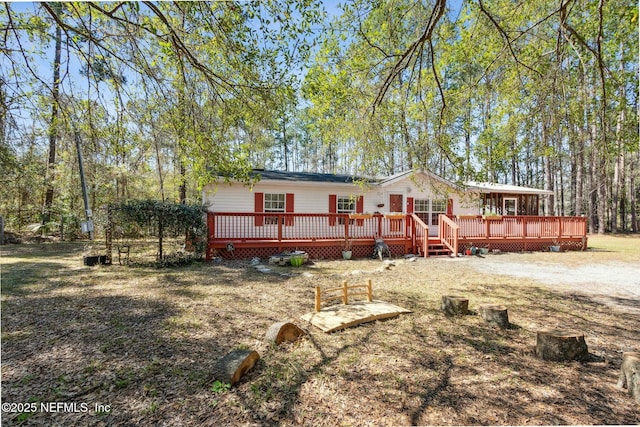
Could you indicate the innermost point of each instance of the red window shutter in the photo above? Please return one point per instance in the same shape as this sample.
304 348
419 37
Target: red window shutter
410 205
450 207
288 207
333 208
360 209
259 207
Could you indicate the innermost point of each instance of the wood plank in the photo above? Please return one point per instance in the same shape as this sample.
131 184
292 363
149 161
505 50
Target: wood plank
338 317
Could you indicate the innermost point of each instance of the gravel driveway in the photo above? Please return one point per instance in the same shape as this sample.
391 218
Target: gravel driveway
614 283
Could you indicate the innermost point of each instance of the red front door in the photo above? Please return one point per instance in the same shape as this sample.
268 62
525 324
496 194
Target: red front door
395 203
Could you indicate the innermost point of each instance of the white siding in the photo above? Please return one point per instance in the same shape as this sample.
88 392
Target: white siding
313 197
422 188
308 197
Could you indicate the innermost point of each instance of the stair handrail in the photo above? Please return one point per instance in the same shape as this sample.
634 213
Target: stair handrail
419 223
449 232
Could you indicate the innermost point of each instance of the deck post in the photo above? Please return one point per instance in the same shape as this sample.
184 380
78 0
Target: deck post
318 298
211 230
524 231
413 236
345 293
369 291
487 228
379 225
425 243
455 241
559 228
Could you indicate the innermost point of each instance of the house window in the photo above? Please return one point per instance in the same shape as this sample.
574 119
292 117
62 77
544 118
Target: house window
346 205
421 209
437 207
273 202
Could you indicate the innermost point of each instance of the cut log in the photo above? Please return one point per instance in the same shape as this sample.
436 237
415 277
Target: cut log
455 306
558 344
495 314
630 374
235 364
284 331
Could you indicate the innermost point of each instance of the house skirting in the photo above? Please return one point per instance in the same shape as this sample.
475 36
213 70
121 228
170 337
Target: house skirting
525 245
326 249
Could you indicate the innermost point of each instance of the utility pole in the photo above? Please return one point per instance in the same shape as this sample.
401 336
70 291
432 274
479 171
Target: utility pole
87 225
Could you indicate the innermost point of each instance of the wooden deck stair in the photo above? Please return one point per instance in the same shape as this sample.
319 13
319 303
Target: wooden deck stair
437 248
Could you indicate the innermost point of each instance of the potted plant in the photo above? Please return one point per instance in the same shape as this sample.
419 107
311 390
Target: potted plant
555 246
473 249
296 260
346 248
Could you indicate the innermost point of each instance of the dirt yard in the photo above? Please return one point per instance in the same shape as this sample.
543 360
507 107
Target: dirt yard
121 346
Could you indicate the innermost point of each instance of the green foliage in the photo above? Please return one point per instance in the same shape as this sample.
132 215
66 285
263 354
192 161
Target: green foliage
522 92
174 218
218 387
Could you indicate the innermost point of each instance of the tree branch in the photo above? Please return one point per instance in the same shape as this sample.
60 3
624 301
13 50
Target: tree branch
408 55
435 75
506 38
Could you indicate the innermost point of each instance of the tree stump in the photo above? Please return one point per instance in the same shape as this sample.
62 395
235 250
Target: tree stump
235 364
455 306
495 314
558 344
284 331
630 374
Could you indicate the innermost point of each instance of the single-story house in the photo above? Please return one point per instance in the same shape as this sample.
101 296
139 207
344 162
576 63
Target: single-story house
302 210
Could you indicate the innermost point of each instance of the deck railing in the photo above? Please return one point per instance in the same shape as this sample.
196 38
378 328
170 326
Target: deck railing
449 233
304 226
520 227
408 230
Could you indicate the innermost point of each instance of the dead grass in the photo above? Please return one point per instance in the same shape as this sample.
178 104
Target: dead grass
145 341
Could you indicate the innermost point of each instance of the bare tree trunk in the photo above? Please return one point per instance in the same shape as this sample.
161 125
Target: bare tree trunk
615 193
593 197
618 174
592 186
285 143
601 185
561 186
633 167
602 117
156 145
53 126
548 185
579 159
514 162
467 141
183 183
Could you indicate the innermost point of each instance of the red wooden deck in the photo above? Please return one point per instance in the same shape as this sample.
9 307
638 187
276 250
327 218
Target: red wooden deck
247 235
